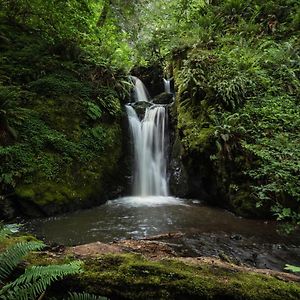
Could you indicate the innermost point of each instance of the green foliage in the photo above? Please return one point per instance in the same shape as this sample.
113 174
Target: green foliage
166 26
84 296
14 255
55 85
35 280
73 26
93 110
273 142
236 69
59 103
8 230
292 268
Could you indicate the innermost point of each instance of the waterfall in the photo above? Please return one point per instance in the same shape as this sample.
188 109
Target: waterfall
167 84
140 91
150 156
149 140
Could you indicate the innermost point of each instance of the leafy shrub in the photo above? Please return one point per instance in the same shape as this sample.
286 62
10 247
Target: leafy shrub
60 85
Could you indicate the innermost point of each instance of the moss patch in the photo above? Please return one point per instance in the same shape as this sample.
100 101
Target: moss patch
133 277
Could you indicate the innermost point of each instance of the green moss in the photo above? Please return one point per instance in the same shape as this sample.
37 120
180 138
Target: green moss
61 154
79 181
17 238
43 193
197 132
133 277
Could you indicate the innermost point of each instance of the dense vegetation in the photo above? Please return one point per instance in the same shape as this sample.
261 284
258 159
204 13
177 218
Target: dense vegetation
32 282
61 83
236 66
236 69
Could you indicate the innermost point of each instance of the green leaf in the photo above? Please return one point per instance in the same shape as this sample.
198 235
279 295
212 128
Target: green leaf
292 268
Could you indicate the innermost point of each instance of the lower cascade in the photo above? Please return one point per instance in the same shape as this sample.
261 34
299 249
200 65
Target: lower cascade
150 137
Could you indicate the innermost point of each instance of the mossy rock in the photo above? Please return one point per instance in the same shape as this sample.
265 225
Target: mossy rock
243 204
79 185
197 132
163 98
130 276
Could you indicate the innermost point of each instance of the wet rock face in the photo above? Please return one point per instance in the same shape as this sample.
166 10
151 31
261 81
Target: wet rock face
163 98
178 174
7 209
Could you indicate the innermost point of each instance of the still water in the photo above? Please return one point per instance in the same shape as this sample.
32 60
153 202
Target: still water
140 217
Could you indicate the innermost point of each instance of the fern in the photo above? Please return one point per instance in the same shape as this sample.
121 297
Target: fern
84 296
292 268
14 255
36 279
93 110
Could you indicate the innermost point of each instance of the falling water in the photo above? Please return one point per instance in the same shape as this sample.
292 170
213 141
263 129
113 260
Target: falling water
167 84
149 140
140 91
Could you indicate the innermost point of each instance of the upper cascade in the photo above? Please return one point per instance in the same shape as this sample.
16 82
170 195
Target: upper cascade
167 85
140 91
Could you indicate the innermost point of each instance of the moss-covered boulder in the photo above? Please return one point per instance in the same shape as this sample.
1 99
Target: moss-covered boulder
127 276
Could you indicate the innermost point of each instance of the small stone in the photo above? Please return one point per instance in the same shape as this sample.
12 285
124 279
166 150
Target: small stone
236 237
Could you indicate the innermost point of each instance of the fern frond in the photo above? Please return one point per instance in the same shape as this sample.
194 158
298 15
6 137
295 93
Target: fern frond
7 230
27 291
54 271
84 296
36 279
14 255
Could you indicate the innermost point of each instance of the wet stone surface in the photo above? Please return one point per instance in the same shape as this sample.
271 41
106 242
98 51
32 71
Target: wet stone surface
235 249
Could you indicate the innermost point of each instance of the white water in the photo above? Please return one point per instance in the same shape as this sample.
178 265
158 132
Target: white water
140 91
149 140
150 201
167 85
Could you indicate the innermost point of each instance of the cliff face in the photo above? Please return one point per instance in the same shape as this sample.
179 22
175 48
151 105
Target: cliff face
61 140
